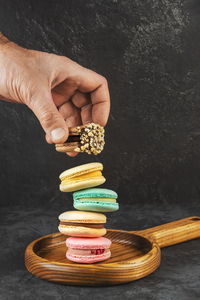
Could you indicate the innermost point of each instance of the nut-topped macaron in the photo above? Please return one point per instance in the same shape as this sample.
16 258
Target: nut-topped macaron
87 138
82 224
96 199
82 177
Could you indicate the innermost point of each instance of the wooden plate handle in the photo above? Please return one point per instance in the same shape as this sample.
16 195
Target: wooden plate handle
174 232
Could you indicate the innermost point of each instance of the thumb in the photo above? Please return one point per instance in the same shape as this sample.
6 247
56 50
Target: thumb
49 117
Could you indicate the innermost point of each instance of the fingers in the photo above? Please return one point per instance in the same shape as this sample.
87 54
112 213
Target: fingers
48 139
83 102
77 78
86 114
71 114
80 99
99 93
63 92
51 120
72 154
101 104
72 117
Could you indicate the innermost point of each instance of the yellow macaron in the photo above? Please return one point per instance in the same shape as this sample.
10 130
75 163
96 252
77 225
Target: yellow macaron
82 177
82 223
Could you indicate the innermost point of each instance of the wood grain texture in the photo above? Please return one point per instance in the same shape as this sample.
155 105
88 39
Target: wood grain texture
174 232
134 255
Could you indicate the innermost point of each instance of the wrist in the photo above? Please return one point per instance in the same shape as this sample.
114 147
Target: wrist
5 43
3 40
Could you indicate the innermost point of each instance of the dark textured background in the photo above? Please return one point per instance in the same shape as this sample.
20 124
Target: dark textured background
150 53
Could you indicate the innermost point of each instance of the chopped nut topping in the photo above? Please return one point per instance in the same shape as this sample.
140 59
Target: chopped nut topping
91 139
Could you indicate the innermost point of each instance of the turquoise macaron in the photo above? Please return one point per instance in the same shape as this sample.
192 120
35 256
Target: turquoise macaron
96 199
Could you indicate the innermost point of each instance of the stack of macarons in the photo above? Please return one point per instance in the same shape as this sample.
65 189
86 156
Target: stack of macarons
85 225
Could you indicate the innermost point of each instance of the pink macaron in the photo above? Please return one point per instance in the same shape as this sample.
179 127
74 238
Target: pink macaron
88 250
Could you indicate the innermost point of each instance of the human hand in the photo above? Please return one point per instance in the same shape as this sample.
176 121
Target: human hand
60 92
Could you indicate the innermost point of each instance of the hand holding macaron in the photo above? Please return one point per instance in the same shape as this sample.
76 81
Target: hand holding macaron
60 92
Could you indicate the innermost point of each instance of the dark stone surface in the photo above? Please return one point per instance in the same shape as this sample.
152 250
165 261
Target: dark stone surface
149 51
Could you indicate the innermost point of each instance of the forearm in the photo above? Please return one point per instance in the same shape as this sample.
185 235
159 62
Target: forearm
7 61
3 41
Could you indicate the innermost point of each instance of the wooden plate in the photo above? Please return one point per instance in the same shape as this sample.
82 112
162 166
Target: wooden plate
134 255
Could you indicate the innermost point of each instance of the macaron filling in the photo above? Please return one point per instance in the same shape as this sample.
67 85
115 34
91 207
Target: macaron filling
83 176
73 139
96 206
95 193
89 225
95 199
87 252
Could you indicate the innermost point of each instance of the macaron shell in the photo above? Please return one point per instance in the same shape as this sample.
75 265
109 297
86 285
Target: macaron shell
68 147
82 169
82 217
95 193
95 206
88 259
81 184
88 243
81 231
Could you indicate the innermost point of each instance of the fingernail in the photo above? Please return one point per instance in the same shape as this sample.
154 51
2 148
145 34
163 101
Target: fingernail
57 134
